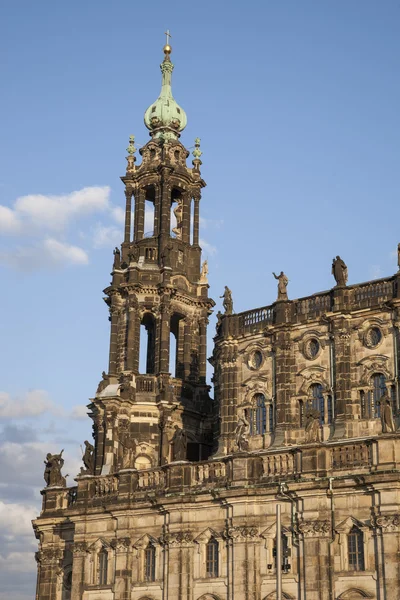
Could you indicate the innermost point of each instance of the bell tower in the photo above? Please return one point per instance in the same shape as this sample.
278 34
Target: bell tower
152 406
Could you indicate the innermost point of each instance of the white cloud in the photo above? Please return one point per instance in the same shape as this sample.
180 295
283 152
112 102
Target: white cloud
31 404
376 271
106 237
79 412
118 214
16 518
9 221
45 254
55 212
206 247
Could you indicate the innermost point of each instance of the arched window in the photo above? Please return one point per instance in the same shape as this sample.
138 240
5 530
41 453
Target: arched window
150 563
318 400
378 385
103 566
212 558
356 549
258 414
147 344
271 417
329 406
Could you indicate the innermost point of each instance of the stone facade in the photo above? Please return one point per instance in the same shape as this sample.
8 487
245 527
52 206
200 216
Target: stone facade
177 496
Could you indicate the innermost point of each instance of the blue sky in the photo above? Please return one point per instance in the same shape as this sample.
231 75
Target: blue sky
296 104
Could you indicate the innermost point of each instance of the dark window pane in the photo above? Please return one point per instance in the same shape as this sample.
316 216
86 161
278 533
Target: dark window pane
356 550
150 563
103 564
212 558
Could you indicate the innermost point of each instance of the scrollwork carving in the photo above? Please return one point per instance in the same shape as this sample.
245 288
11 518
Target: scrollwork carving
314 528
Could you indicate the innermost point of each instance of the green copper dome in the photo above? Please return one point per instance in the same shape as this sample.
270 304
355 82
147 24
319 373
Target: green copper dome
165 118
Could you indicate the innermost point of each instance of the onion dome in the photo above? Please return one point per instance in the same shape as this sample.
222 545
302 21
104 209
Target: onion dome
165 118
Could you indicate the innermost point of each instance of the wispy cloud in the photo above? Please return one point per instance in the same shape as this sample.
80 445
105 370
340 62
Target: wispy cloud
48 253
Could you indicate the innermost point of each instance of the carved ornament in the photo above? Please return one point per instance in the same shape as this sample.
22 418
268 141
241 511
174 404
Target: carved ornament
314 528
389 522
79 548
241 533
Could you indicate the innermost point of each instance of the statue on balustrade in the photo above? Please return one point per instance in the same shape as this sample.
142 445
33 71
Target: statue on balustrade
204 272
398 255
339 271
227 302
282 286
88 458
387 421
52 473
179 444
134 254
242 433
117 258
312 426
128 449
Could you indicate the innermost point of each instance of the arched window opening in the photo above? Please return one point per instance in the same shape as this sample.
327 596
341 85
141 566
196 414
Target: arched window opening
318 401
176 217
150 563
212 558
103 566
356 549
147 344
258 415
378 389
176 367
149 212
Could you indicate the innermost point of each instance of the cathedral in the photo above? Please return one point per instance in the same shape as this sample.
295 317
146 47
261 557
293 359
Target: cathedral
286 484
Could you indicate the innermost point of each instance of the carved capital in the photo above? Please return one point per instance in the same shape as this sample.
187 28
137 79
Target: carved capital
178 538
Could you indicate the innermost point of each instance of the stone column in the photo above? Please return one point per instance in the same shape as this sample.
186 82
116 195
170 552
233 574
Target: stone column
98 430
315 541
344 407
284 383
133 337
128 215
186 348
203 349
165 212
123 572
114 318
164 339
157 209
78 571
180 579
246 566
48 582
390 527
196 221
186 219
139 215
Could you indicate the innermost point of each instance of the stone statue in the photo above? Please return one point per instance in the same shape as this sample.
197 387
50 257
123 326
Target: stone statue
177 230
312 426
227 301
339 271
117 258
166 256
219 321
387 421
165 428
134 254
103 383
282 285
129 450
204 272
398 255
242 433
88 457
179 444
52 473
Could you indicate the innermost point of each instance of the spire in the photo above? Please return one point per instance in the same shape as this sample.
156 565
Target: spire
165 118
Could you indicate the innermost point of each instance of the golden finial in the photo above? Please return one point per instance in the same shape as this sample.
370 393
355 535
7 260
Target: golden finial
167 48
